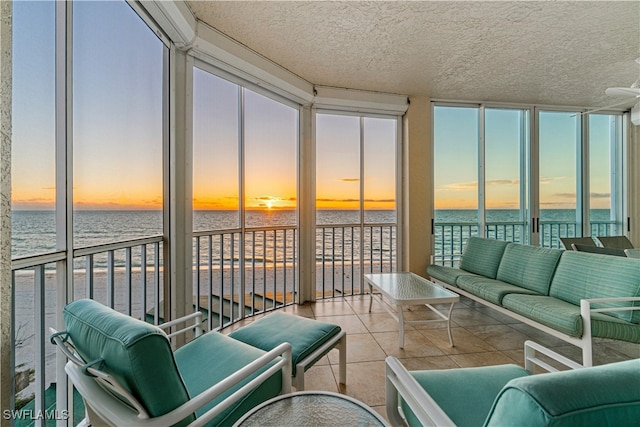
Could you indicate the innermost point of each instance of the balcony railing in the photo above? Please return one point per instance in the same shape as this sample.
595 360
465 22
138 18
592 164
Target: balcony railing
450 238
237 273
126 276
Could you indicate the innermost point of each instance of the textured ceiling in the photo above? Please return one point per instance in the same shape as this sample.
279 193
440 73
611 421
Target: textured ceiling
550 53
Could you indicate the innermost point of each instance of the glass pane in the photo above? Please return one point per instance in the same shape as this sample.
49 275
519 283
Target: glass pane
456 163
337 169
379 170
118 124
271 140
602 143
505 131
33 140
215 153
559 137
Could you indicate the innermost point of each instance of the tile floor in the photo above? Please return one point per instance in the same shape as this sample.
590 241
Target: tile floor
482 336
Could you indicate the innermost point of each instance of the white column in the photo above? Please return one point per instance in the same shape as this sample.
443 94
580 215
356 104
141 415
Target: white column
178 273
6 9
307 207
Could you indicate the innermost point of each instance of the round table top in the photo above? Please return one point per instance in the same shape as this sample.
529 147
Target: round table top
312 408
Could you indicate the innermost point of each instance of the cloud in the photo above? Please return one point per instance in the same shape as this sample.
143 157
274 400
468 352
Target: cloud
600 195
349 179
565 195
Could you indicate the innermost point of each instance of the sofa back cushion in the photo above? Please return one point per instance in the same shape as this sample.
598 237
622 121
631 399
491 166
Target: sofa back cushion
136 353
482 256
528 267
581 275
602 395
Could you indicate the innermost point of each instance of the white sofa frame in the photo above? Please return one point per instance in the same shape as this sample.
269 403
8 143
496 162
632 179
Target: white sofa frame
399 382
98 390
585 343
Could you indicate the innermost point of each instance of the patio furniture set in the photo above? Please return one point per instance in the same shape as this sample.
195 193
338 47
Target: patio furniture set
128 374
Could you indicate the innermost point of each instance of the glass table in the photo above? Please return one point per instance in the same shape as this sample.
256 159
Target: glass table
405 289
311 408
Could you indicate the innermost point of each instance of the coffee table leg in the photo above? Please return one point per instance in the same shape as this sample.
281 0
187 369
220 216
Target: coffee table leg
370 296
400 326
449 324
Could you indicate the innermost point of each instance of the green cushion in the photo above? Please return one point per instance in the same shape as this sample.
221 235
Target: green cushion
447 275
212 357
598 396
529 267
482 256
565 317
304 335
134 352
491 290
466 395
582 275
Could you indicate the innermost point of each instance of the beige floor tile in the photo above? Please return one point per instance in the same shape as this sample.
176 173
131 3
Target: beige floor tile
351 324
501 337
320 377
360 348
365 382
428 363
415 344
463 341
379 322
490 358
360 304
331 307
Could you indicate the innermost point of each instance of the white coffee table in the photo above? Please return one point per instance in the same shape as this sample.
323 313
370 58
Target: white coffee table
406 289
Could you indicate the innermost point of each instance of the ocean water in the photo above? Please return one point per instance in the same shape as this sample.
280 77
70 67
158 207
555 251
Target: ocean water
33 232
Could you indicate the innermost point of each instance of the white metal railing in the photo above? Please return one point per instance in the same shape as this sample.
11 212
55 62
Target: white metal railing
450 238
238 272
125 275
345 252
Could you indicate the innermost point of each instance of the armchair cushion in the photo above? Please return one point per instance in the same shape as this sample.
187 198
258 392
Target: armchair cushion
466 395
130 350
601 395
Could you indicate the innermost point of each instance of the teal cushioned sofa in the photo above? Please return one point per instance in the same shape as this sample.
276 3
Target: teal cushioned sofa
571 295
157 381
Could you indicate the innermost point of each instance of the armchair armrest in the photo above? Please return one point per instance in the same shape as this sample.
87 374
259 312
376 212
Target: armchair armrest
196 327
531 360
400 381
118 412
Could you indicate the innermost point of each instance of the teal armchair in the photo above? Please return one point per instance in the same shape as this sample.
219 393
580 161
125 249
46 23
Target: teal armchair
509 395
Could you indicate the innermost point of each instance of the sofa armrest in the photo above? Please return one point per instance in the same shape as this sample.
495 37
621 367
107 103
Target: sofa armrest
531 359
586 310
400 382
196 327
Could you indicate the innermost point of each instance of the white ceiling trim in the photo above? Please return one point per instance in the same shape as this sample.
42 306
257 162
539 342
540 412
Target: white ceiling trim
332 98
175 19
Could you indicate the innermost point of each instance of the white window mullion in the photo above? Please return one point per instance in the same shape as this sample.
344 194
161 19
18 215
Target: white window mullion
482 215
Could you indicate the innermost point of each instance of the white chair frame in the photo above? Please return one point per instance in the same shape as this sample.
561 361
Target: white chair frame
399 382
100 400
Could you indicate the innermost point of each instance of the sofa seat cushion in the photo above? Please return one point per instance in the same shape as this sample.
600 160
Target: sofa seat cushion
134 352
597 396
584 276
466 395
212 357
529 267
565 317
304 335
491 290
482 256
449 275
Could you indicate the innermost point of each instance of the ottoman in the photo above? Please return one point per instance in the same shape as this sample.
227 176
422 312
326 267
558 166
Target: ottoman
310 340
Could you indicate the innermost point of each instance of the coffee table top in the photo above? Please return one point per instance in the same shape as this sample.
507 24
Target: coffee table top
312 408
409 288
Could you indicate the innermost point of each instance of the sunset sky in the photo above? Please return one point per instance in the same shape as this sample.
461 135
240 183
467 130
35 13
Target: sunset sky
117 134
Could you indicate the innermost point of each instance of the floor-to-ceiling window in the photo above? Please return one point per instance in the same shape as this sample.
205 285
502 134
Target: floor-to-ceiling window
356 187
245 198
89 128
493 178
